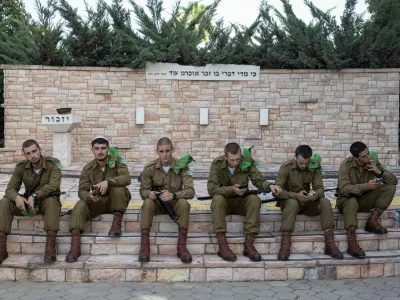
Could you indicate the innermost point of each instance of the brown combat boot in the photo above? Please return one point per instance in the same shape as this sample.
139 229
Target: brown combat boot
249 249
50 254
330 246
3 247
284 251
373 224
352 246
223 249
75 251
115 230
182 252
144 254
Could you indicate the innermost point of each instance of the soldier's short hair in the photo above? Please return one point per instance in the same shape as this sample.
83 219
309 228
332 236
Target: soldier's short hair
164 141
29 143
232 148
100 140
356 148
304 151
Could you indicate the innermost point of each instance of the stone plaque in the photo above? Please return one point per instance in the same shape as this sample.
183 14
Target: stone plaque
209 72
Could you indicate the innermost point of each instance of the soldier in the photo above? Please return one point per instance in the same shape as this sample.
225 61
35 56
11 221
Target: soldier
360 192
42 178
303 193
102 189
227 173
171 181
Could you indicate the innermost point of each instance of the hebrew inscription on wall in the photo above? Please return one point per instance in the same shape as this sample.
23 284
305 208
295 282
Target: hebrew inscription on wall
209 72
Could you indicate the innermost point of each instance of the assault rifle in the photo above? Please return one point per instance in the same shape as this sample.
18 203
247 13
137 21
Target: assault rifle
256 192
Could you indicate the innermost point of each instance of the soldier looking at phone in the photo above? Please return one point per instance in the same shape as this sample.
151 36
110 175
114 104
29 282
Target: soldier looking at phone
364 186
227 184
102 189
303 193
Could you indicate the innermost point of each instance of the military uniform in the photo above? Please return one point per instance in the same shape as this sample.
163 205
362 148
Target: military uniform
353 183
224 201
115 199
292 180
175 181
44 183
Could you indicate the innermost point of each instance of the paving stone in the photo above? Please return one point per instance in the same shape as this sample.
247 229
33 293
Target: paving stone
243 296
284 296
304 292
265 293
386 293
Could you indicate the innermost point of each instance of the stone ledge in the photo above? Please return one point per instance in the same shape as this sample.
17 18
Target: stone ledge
208 268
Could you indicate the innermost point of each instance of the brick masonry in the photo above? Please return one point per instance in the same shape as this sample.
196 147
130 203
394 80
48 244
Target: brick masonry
352 104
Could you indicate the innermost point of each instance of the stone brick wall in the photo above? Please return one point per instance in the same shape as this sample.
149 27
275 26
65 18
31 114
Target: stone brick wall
353 104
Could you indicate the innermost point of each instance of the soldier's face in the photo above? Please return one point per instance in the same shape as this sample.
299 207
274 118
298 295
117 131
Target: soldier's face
364 158
302 163
165 154
100 151
233 160
33 154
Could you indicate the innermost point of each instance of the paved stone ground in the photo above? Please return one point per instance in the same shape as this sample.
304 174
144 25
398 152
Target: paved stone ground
354 289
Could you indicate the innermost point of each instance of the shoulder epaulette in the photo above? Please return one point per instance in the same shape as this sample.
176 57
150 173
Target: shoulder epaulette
22 162
54 160
150 164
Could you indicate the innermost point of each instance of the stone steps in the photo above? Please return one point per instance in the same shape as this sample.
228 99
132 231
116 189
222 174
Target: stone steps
116 259
204 268
33 242
200 222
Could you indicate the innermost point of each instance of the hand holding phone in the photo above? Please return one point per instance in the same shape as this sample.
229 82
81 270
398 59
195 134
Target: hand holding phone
243 186
378 179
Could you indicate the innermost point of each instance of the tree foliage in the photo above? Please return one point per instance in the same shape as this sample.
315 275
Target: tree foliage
116 35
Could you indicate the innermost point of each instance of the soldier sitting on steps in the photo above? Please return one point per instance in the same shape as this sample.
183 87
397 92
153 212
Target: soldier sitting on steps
296 177
171 181
360 192
227 173
102 189
42 178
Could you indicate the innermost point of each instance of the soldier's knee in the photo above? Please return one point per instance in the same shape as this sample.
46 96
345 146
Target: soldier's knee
51 202
5 203
118 192
183 204
80 207
218 202
148 205
389 188
291 205
350 204
325 204
254 202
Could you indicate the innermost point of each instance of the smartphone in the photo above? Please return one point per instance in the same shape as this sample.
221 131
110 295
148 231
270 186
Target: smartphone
378 179
96 193
243 186
158 193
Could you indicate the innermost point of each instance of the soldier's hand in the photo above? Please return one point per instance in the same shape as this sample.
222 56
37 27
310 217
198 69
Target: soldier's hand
31 202
373 167
102 186
20 202
238 191
153 195
275 189
166 195
302 195
372 184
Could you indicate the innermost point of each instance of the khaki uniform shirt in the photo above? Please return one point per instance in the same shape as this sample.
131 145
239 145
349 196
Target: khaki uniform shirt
174 181
292 180
221 182
354 179
92 174
47 181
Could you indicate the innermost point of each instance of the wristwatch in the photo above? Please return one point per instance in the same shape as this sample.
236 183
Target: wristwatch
34 196
173 196
109 182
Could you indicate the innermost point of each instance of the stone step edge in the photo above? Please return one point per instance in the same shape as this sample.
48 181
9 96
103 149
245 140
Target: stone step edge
137 212
103 238
203 268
